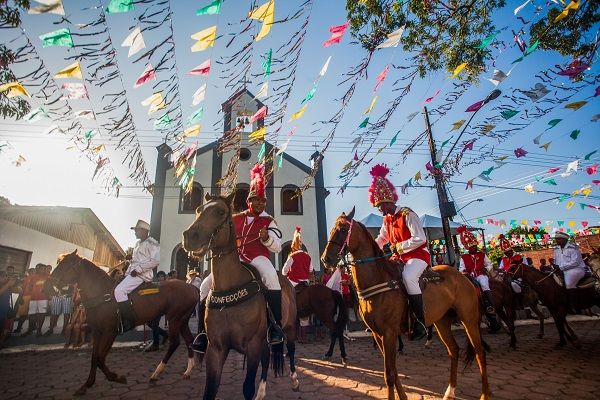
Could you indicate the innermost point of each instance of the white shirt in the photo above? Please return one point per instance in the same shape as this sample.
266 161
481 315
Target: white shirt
146 257
195 281
568 257
417 233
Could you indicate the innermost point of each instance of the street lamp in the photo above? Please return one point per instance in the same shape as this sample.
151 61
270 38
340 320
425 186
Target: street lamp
472 201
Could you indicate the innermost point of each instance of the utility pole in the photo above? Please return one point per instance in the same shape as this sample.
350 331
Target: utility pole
447 209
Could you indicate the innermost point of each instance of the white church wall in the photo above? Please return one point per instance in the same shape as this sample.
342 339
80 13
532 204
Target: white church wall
173 223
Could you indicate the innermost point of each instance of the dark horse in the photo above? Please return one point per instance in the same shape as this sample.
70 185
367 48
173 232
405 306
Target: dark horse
176 299
243 325
504 304
385 312
324 303
555 298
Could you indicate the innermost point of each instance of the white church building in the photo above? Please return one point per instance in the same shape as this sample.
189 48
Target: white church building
172 212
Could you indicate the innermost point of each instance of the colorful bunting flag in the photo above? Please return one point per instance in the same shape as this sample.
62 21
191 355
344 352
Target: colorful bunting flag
458 69
202 69
545 146
508 114
192 131
85 114
457 124
310 94
573 166
36 114
538 92
364 123
75 91
589 155
135 41
520 152
497 77
381 77
573 5
550 182
486 41
48 6
266 65
61 37
325 67
14 89
156 102
430 99
119 6
199 95
263 92
392 39
373 101
162 122
71 71
298 113
258 134
196 116
529 189
576 105
591 170
337 32
260 114
574 134
205 39
265 14
394 138
211 9
146 76
476 106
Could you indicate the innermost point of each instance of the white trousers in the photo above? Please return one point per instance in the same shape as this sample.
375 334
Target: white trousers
483 281
264 267
126 286
411 274
335 281
573 276
516 285
295 283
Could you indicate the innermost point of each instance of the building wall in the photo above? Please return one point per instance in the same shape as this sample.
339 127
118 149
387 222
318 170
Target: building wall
44 249
586 245
173 224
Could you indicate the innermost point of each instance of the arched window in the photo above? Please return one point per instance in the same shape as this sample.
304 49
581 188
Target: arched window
291 200
188 202
241 195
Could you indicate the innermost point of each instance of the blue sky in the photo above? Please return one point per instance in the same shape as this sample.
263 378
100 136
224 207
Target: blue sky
50 169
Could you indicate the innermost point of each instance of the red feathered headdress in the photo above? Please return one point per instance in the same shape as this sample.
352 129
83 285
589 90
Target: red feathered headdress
257 182
466 237
296 240
504 243
381 189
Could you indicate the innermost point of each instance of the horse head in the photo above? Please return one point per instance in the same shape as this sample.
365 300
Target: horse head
515 271
66 272
341 239
212 229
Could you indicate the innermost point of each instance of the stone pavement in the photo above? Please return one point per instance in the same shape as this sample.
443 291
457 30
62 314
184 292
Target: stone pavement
534 371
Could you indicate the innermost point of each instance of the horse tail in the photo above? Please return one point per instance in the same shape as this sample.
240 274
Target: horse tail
277 359
342 313
470 353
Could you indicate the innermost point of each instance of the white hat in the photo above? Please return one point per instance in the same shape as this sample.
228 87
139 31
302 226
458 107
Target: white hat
561 235
141 225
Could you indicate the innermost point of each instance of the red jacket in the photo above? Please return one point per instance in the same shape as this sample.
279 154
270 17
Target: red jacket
398 231
249 244
474 263
300 269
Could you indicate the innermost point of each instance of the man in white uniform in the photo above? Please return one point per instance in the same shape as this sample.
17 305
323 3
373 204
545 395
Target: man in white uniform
568 258
146 257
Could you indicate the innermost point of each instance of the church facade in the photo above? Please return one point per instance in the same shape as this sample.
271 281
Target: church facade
173 212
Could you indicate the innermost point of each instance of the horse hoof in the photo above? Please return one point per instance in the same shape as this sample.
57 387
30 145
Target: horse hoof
185 377
80 392
326 358
344 362
428 343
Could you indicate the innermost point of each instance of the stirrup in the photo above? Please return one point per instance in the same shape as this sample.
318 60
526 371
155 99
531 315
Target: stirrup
275 335
416 334
200 343
490 310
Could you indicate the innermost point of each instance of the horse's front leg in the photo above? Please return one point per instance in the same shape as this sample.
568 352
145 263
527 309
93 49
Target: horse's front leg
94 364
291 348
254 353
215 359
392 380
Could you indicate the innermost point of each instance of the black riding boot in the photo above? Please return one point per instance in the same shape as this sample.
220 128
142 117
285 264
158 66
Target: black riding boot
127 316
572 301
201 341
419 330
274 300
490 312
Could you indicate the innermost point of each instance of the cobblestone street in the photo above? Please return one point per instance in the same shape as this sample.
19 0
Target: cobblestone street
534 371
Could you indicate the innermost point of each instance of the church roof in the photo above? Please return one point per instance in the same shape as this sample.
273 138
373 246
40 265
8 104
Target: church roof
227 104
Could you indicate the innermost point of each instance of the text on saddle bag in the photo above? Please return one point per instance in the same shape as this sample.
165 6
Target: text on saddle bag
229 298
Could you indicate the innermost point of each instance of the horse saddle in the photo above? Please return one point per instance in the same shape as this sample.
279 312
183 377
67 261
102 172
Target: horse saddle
145 289
430 276
584 283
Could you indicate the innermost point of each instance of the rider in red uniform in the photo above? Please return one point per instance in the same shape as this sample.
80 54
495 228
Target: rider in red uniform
298 266
510 257
477 264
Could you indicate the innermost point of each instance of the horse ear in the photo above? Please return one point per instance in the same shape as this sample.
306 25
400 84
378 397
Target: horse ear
74 252
208 196
229 199
350 215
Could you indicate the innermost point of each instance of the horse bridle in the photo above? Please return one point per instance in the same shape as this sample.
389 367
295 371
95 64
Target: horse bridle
216 232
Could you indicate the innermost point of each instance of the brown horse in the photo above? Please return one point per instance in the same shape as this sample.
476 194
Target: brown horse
503 302
385 312
243 325
324 303
175 299
555 298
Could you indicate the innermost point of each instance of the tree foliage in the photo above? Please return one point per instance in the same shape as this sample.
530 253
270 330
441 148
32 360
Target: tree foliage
14 107
443 35
520 230
572 36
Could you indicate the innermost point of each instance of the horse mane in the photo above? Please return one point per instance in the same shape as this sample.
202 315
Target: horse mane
87 265
375 247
